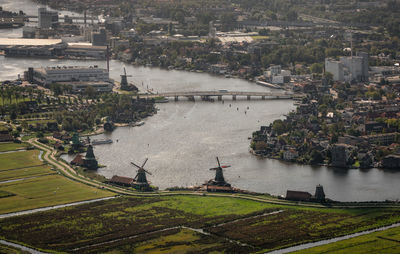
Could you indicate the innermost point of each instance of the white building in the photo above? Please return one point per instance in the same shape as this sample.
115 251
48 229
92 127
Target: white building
57 74
349 68
336 68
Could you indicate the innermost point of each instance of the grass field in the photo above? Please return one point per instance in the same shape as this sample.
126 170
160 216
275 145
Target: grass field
152 224
25 172
47 188
19 160
387 241
46 191
10 146
174 241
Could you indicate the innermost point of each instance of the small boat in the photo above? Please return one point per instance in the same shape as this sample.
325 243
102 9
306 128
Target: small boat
139 123
101 141
164 100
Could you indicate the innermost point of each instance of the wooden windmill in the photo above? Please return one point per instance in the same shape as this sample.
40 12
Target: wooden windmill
124 81
140 178
219 179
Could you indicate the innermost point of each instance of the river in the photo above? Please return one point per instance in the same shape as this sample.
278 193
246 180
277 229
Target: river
183 138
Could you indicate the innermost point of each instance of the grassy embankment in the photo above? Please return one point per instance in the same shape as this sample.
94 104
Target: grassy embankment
10 146
153 224
42 187
387 241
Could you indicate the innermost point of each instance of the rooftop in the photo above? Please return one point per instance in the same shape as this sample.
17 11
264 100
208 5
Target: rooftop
28 42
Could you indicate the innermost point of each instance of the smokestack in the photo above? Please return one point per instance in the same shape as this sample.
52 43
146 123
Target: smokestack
108 58
84 18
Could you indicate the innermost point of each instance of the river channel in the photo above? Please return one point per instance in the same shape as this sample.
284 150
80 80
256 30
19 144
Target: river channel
183 138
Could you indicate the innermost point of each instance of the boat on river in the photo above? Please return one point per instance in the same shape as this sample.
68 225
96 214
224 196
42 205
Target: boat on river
101 141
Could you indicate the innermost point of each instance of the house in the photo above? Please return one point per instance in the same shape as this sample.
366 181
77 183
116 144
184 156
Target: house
215 188
298 195
58 146
381 139
78 161
290 154
52 126
372 126
391 162
121 180
342 155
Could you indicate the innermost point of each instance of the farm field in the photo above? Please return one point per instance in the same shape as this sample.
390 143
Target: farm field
387 241
10 146
46 191
37 184
19 173
160 224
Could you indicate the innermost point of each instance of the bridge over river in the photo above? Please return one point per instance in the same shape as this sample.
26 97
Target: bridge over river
207 95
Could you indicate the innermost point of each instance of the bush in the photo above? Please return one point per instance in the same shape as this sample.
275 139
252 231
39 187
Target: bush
43 140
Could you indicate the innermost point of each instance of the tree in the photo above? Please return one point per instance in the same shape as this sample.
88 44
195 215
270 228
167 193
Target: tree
278 126
316 68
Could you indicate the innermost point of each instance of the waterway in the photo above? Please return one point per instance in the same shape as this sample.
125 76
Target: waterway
183 138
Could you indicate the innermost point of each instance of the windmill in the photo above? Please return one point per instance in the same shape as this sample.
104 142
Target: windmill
140 178
219 176
124 80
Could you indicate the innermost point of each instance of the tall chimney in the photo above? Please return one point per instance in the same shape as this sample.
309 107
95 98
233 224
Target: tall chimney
108 58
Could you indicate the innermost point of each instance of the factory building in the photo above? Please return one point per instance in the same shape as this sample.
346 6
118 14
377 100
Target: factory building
349 68
78 77
47 18
336 68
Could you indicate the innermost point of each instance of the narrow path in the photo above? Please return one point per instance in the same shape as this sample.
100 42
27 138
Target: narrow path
25 178
8 215
21 247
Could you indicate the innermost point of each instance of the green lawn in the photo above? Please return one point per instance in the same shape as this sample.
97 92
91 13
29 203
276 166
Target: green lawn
47 188
46 191
10 146
387 241
213 206
20 160
25 172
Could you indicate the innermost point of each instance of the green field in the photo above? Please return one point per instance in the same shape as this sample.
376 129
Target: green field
387 241
25 172
19 160
10 146
153 224
46 191
42 186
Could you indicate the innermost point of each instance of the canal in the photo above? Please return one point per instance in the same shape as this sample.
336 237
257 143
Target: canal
183 138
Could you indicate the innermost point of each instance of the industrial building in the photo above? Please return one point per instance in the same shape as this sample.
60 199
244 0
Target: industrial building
47 18
349 68
31 47
78 77
82 50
